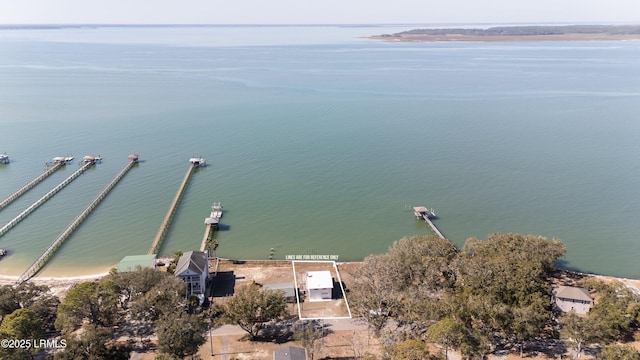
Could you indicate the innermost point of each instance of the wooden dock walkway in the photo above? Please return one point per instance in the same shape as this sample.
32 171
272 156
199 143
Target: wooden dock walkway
43 199
425 214
42 260
208 234
211 225
166 223
9 199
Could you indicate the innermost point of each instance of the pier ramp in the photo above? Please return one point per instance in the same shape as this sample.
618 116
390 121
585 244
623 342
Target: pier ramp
44 198
421 212
48 253
166 223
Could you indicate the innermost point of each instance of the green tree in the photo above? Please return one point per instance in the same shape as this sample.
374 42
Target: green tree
409 349
619 352
504 282
8 300
578 331
94 302
250 306
133 284
373 295
529 320
96 344
448 333
162 299
615 309
404 283
180 334
23 324
36 298
310 337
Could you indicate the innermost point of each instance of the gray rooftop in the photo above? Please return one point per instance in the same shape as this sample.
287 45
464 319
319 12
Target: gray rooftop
195 261
290 353
572 292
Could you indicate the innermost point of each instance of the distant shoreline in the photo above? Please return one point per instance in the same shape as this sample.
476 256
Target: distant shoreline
516 34
532 38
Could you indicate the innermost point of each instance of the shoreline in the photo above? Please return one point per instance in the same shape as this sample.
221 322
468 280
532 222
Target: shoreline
505 38
59 285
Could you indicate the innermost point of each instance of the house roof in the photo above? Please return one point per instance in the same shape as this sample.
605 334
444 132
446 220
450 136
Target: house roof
572 292
286 288
319 280
290 353
195 261
131 262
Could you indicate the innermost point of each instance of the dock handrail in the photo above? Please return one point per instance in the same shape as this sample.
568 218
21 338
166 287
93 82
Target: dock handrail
164 227
42 260
43 199
16 194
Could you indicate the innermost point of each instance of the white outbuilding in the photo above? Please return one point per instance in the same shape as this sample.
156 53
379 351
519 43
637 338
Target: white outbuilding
319 285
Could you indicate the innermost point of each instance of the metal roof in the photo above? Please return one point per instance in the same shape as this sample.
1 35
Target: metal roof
319 280
290 353
572 292
131 262
195 261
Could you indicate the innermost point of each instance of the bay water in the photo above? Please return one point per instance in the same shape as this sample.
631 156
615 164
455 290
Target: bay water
318 141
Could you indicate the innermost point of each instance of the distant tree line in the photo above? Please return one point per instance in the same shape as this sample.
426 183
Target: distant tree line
529 30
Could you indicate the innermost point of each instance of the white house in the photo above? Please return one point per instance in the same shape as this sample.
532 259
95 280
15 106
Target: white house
193 269
319 285
569 298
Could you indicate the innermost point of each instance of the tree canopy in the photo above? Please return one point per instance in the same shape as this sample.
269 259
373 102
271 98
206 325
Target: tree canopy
251 306
464 299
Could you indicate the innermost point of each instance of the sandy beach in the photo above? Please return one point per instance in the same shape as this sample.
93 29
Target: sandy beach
59 285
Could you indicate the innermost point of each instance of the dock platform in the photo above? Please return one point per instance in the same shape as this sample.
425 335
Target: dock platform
43 199
48 253
166 223
421 212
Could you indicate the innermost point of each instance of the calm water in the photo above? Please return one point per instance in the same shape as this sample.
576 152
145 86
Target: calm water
317 140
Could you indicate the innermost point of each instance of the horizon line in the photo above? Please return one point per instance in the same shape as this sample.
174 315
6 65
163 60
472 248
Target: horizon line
115 24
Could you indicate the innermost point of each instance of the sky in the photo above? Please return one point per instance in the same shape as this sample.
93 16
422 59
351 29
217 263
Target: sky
317 11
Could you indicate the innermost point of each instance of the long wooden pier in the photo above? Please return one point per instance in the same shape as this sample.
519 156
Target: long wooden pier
425 214
166 223
42 260
9 199
44 198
